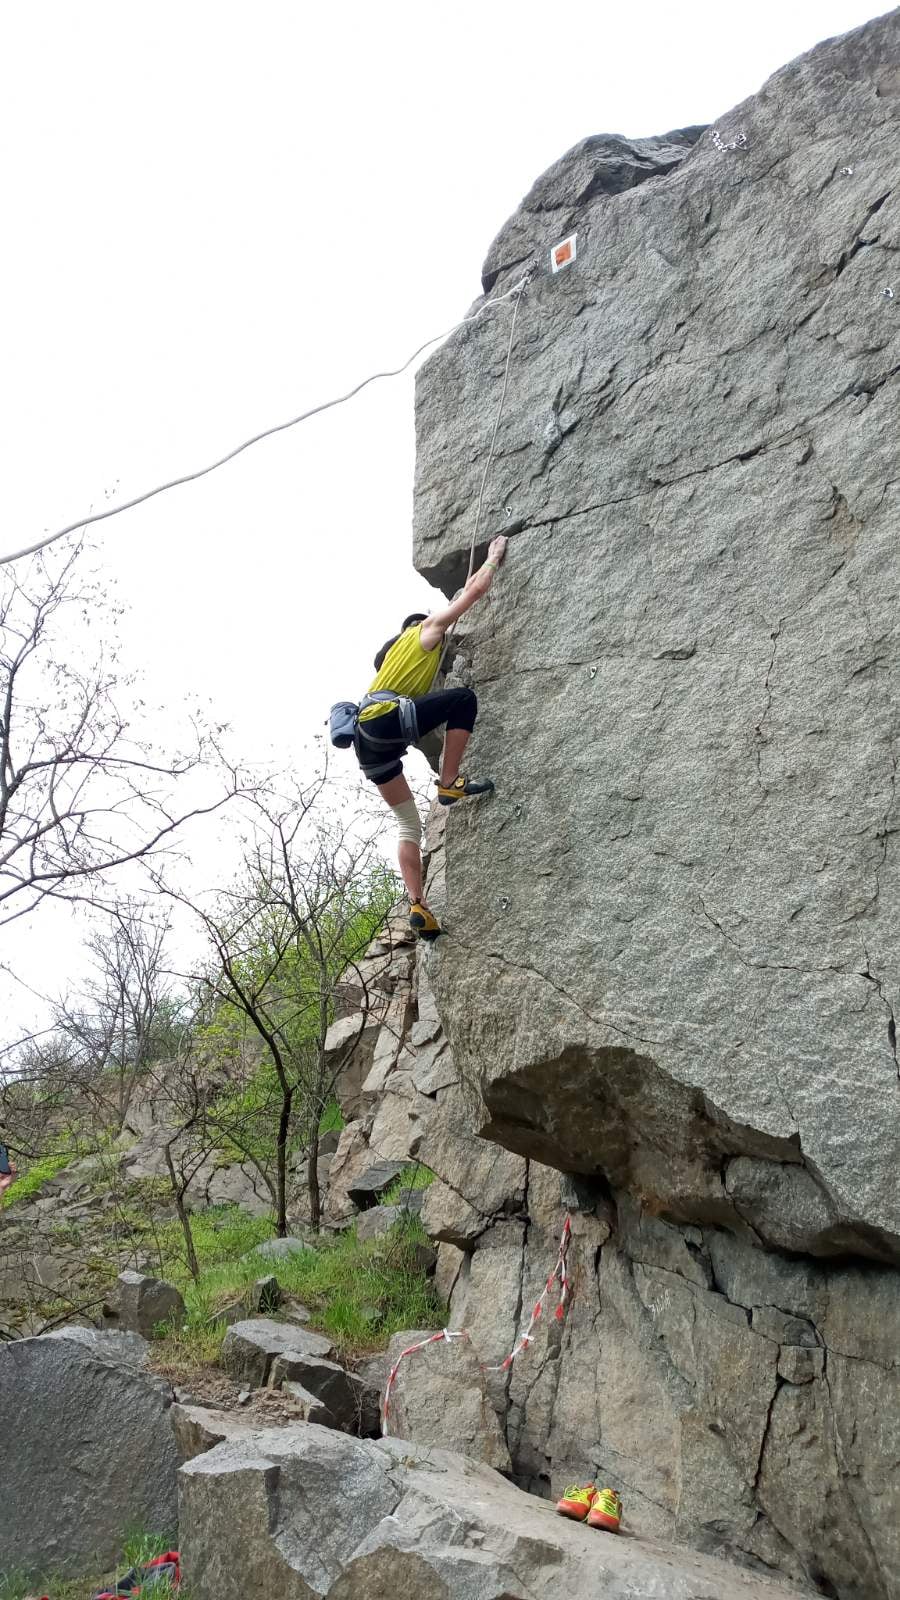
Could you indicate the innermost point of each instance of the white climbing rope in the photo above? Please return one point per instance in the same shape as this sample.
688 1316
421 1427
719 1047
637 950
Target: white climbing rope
518 290
279 427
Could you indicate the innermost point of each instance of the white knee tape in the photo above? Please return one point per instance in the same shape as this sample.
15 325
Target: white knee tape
409 827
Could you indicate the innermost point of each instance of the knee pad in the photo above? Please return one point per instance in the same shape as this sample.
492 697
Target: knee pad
409 824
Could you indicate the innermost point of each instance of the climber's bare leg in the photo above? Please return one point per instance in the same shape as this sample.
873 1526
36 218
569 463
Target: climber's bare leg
409 855
455 741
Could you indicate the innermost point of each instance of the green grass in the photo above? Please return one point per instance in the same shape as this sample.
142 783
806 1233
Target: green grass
221 1235
332 1119
417 1177
359 1294
137 1548
28 1183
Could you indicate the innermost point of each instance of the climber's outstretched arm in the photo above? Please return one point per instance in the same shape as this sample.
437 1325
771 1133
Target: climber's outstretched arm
435 626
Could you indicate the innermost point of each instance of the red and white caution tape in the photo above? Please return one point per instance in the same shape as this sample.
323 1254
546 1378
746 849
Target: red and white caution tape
560 1272
436 1338
560 1275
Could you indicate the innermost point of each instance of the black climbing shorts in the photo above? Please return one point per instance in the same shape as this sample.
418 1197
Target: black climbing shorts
457 708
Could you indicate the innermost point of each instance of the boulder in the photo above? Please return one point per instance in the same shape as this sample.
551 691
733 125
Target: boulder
309 1406
337 1390
727 981
350 1161
302 1512
448 1217
238 1185
88 1453
439 1397
198 1428
373 1181
249 1348
447 1269
434 1068
400 1116
109 1345
280 1249
295 1311
142 1303
265 1294
378 1221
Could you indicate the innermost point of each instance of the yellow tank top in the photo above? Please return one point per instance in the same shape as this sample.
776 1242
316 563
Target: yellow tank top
407 668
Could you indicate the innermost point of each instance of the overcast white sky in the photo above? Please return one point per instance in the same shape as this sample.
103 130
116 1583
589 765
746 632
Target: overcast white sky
217 214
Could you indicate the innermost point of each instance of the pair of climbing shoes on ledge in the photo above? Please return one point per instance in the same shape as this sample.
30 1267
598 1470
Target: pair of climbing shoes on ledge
599 1508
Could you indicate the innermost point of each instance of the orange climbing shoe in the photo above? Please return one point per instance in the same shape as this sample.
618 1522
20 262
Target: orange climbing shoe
576 1501
422 921
460 789
606 1511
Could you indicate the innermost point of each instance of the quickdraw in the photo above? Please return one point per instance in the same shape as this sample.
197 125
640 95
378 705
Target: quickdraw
740 143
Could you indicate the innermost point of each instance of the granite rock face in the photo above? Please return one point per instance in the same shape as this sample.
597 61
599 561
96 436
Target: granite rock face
304 1512
678 911
681 903
440 1397
718 728
88 1451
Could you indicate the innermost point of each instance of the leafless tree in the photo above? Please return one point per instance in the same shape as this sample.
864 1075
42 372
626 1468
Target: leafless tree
128 1014
81 793
311 895
192 1136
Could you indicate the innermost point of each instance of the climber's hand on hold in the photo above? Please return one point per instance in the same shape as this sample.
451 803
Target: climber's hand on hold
435 626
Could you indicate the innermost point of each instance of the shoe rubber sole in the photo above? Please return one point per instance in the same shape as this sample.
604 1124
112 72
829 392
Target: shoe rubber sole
477 788
568 1508
596 1519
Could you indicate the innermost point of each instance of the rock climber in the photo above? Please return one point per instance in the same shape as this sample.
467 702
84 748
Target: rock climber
407 666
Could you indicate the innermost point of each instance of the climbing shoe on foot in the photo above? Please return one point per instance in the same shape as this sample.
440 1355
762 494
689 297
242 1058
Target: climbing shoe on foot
576 1501
606 1511
460 788
422 921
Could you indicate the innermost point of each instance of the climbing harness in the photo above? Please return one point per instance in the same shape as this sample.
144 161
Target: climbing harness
559 1274
343 719
740 143
267 433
